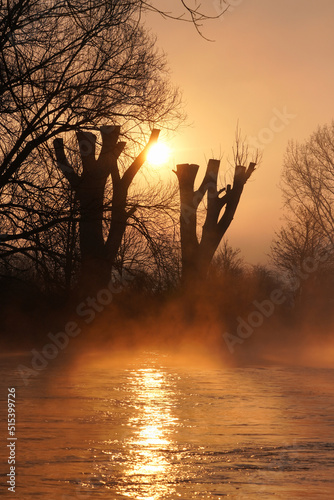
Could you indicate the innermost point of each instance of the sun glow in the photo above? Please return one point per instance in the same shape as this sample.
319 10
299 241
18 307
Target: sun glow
158 154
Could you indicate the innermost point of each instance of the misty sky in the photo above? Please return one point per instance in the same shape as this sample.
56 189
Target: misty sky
269 58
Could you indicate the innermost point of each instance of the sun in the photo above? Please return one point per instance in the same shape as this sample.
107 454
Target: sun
158 154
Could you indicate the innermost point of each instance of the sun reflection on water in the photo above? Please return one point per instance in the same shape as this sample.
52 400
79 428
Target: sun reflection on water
148 467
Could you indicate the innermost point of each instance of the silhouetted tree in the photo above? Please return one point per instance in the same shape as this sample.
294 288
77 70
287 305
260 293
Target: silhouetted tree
150 248
190 12
308 177
307 186
227 261
302 254
303 248
298 240
53 256
98 254
65 66
222 204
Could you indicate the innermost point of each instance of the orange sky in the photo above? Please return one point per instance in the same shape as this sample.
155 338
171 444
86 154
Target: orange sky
267 57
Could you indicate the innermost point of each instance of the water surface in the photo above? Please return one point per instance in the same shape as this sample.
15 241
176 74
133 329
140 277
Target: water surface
147 429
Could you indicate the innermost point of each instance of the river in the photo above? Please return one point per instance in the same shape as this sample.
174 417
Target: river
148 429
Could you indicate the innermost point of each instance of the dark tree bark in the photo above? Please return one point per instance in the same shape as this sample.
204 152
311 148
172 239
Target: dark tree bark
197 255
98 253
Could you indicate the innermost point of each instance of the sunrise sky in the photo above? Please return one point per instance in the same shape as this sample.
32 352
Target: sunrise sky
267 57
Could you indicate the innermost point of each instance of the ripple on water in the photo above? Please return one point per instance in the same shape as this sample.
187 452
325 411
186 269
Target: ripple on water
152 432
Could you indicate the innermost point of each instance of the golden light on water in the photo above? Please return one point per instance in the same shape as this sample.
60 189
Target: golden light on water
143 430
158 154
150 443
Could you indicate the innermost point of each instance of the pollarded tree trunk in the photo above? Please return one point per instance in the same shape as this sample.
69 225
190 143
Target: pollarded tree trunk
98 253
189 201
197 255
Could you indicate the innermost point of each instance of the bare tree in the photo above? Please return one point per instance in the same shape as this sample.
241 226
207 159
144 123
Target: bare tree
308 193
65 66
39 221
189 12
299 239
227 261
303 248
151 245
100 245
149 248
70 65
222 204
308 180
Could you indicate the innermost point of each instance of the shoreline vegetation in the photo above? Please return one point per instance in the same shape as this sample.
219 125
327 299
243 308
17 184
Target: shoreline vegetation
231 320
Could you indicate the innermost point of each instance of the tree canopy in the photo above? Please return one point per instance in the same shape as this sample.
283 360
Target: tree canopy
66 65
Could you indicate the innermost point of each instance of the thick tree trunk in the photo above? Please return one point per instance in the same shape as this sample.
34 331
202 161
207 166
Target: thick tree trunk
98 253
188 220
197 255
89 189
94 269
118 223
